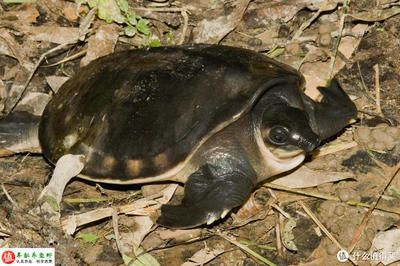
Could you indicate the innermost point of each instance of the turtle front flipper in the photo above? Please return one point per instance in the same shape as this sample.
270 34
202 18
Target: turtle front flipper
332 113
210 193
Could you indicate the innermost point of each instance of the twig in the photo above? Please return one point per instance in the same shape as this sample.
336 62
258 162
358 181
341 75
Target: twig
116 231
306 24
13 202
279 209
360 229
69 58
377 90
278 238
329 197
324 229
184 13
42 57
339 38
245 249
185 16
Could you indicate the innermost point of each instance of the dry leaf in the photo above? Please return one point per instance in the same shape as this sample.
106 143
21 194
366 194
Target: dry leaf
53 34
101 44
70 13
317 73
55 82
33 102
386 247
10 47
212 31
180 235
204 256
304 177
250 211
143 226
145 207
27 14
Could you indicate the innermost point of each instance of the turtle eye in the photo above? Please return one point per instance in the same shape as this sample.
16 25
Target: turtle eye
278 135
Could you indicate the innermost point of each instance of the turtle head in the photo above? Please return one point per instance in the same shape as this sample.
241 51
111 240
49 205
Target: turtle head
286 130
283 136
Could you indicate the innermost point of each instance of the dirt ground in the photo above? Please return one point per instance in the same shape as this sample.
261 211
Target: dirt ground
348 200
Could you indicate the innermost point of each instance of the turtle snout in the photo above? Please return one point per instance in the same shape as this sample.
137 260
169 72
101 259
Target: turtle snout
309 145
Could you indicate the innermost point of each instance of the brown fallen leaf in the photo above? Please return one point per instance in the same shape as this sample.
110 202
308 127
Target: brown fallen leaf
386 247
318 73
180 235
143 226
249 212
33 102
204 256
304 177
101 44
10 47
55 82
213 31
53 34
142 207
26 14
70 13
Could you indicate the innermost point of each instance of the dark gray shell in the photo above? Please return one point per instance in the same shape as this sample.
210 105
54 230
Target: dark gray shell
148 109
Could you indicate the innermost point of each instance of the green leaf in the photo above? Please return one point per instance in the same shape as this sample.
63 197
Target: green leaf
130 30
123 5
143 259
132 18
109 11
276 51
142 27
87 238
394 191
155 42
169 38
52 201
92 3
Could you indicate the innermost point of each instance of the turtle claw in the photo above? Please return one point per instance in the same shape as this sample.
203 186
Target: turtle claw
212 218
224 213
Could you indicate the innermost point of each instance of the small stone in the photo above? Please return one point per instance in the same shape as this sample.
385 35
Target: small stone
378 134
332 163
370 233
325 28
339 210
393 132
294 49
335 228
347 194
254 42
364 133
389 142
379 146
331 249
325 39
325 188
364 243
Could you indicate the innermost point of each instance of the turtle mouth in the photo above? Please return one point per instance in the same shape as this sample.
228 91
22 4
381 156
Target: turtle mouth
282 153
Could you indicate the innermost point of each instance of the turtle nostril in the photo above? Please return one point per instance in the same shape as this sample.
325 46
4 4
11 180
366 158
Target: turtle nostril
309 146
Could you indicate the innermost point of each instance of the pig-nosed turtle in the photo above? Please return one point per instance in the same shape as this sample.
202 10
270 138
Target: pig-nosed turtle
219 119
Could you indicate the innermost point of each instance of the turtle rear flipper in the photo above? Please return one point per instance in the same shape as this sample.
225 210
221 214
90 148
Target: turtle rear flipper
19 133
209 196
